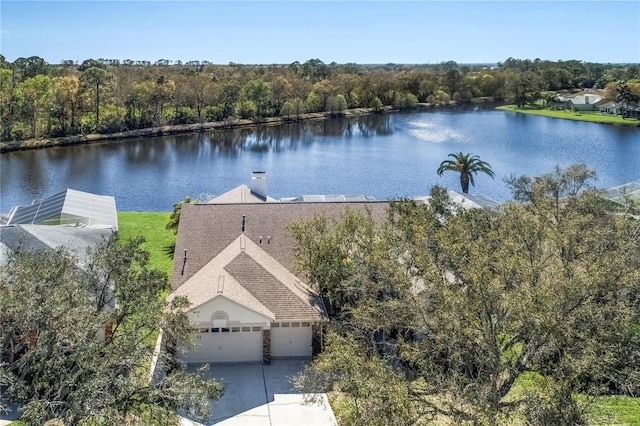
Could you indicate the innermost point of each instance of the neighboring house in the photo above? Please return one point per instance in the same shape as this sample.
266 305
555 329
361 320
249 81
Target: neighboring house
235 263
44 238
587 100
69 207
609 108
327 198
623 193
467 201
73 219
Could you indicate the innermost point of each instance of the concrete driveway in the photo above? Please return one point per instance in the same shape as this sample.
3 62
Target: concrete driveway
257 395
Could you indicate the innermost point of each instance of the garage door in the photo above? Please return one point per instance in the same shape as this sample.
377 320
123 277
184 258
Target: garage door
290 339
218 345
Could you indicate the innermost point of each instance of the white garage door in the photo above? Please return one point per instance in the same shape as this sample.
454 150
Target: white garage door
217 345
290 339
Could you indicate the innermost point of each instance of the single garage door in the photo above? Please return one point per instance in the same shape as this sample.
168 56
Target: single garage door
290 339
235 344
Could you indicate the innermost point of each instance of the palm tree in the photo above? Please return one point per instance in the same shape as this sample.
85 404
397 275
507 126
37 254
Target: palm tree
467 165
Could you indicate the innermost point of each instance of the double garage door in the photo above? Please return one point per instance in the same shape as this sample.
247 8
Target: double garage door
219 345
244 344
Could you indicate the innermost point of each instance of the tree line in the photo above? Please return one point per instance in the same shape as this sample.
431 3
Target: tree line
38 99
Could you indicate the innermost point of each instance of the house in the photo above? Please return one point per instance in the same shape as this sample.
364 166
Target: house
69 207
466 201
587 100
45 238
234 261
235 264
627 109
609 108
624 193
72 219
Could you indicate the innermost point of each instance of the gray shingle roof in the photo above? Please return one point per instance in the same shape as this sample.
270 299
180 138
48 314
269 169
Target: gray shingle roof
260 259
207 229
277 296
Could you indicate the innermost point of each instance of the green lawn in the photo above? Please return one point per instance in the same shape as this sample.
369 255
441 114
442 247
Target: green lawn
593 117
601 410
615 410
159 242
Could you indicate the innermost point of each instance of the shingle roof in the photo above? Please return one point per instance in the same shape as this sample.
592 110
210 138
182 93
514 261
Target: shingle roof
247 275
240 194
205 230
254 268
281 297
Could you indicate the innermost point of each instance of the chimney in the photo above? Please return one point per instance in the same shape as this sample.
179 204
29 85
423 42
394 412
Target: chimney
259 184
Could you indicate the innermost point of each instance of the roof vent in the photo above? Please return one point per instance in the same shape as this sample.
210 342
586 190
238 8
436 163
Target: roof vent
220 283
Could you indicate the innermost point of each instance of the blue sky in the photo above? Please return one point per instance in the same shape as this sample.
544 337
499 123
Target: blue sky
359 31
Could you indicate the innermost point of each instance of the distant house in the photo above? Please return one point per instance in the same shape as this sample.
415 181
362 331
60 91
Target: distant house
628 109
609 108
587 100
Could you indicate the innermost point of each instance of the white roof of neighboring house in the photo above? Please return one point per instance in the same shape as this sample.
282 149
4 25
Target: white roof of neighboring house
68 207
586 99
466 201
43 238
618 193
327 198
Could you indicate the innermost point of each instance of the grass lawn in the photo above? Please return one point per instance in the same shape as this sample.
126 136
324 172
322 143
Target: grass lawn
593 117
159 242
615 410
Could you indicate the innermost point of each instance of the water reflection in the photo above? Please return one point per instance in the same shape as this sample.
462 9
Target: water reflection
380 155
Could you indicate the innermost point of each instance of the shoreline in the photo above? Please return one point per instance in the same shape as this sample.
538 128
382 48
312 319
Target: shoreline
585 116
30 144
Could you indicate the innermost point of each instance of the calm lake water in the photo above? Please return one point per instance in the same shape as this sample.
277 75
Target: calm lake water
385 156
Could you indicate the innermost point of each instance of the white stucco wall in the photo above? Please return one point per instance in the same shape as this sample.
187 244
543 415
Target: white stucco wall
238 314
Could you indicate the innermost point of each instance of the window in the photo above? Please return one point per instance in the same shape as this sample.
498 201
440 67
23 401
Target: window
235 329
256 328
305 324
204 330
295 324
285 324
245 329
275 325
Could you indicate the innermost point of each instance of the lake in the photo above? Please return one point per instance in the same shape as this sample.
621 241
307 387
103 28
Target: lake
385 156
